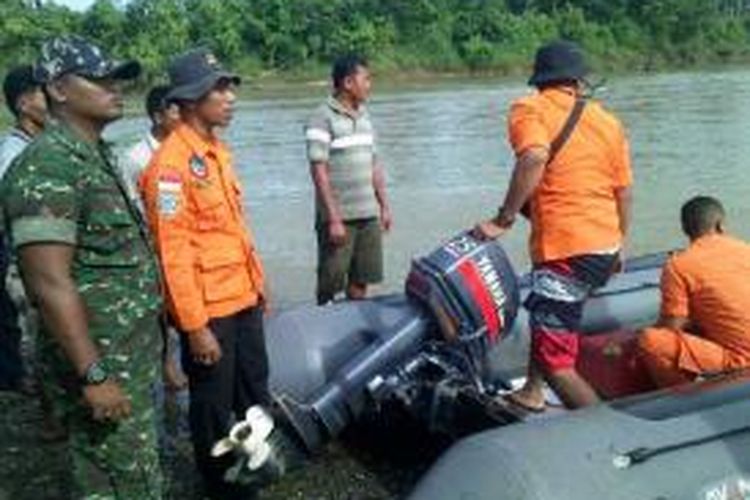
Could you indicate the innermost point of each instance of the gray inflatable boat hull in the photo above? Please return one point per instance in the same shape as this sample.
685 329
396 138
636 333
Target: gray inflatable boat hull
693 443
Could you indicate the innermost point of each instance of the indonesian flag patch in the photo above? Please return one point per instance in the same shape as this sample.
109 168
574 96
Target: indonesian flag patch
169 187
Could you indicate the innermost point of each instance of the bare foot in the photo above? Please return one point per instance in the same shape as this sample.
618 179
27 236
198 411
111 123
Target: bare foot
528 399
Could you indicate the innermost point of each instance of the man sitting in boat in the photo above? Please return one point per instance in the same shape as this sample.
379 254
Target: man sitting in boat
704 326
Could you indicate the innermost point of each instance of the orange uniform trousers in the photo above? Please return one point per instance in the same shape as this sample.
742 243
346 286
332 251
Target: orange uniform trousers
674 357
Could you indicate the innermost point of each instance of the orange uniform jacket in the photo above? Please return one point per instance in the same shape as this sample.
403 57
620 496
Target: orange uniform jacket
193 203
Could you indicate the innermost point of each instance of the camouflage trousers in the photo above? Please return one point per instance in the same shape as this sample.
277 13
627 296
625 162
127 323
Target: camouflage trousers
120 460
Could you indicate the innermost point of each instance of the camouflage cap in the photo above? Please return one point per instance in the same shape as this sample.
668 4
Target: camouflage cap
73 54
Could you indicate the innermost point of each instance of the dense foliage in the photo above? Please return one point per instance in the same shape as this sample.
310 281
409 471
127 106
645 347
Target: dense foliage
298 36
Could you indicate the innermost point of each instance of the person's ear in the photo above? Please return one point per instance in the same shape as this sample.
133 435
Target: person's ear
173 110
720 226
56 91
22 103
348 83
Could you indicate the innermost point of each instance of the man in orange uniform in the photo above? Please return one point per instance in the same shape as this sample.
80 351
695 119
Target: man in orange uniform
704 326
579 208
213 273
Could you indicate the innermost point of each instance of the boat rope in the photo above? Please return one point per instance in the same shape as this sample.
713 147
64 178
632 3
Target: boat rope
640 455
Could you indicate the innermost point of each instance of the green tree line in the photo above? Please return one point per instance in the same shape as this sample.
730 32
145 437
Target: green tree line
300 36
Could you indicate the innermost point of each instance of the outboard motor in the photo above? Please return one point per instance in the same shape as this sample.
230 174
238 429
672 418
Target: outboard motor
471 290
424 352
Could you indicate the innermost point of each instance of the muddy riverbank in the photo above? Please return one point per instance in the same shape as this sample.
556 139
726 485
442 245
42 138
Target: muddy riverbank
365 464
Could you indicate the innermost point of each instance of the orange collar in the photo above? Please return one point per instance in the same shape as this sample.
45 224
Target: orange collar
707 239
213 148
197 143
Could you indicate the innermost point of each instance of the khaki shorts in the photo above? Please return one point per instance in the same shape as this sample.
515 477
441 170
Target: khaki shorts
359 260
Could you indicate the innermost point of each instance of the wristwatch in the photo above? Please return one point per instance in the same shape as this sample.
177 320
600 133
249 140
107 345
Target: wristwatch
503 219
95 374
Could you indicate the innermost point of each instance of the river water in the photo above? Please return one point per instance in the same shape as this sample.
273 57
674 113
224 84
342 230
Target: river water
444 147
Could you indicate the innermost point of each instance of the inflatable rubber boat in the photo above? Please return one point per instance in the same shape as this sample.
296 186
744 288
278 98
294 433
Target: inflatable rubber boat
457 340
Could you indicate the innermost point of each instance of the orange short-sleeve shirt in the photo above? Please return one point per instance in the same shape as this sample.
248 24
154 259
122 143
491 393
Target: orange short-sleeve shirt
574 209
709 283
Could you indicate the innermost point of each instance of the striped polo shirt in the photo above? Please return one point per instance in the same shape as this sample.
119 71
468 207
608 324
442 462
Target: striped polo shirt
345 140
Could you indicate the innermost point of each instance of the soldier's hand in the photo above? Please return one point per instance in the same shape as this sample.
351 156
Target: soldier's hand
107 401
204 348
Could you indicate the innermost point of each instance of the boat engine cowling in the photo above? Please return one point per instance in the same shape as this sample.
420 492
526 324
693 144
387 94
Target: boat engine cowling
471 289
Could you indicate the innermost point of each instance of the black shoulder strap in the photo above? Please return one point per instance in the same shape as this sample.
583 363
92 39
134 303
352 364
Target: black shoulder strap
559 141
567 129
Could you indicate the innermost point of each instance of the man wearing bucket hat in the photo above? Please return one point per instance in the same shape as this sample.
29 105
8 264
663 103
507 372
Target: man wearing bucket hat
214 276
572 179
87 262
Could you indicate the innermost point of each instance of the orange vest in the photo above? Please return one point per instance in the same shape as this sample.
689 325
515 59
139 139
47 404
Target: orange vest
574 209
193 202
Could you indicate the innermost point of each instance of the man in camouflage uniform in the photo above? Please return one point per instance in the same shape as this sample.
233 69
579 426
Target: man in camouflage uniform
87 262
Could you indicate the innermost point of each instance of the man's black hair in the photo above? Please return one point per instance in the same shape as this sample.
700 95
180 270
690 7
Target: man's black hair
701 215
18 81
156 100
345 66
557 83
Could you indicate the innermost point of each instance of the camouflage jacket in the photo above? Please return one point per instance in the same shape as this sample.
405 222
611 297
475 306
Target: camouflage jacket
62 189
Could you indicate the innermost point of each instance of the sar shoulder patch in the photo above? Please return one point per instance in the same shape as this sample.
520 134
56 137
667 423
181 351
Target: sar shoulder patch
198 167
169 188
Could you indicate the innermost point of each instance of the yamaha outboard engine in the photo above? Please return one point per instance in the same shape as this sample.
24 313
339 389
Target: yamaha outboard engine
471 290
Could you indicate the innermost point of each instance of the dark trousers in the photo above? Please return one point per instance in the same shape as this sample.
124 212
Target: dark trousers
11 365
239 380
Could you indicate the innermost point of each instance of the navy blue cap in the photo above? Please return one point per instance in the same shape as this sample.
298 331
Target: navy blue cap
194 73
558 61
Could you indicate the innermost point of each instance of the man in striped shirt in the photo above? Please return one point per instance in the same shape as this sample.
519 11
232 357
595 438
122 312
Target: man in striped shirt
351 209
